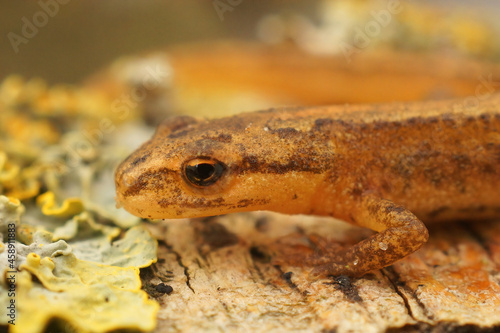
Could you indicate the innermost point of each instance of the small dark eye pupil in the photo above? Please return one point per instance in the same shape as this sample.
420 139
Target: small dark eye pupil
204 170
203 174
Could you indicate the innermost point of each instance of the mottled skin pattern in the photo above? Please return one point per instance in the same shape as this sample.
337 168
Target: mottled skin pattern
386 167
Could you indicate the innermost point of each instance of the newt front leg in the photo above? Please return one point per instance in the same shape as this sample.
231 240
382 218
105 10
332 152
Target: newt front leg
400 233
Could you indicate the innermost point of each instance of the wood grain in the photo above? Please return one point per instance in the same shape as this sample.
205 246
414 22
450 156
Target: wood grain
223 280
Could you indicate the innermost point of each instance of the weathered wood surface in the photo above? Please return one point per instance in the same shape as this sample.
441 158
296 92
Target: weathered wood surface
222 279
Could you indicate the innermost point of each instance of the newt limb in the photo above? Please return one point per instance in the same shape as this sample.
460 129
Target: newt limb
400 233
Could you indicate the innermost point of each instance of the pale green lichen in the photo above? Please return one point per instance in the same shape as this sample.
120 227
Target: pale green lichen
52 280
78 257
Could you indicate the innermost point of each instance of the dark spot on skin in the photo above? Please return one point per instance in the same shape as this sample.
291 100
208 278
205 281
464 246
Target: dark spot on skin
432 120
485 118
275 167
150 180
224 138
202 202
216 235
285 133
178 134
298 162
470 119
294 196
344 284
139 160
165 203
392 208
463 161
245 203
250 163
397 124
405 166
434 175
164 288
412 121
320 123
348 125
193 203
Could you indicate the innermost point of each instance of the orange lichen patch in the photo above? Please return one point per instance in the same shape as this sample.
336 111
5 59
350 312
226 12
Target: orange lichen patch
473 281
452 274
31 132
61 101
69 206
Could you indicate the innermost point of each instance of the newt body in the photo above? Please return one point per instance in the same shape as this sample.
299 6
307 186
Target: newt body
387 167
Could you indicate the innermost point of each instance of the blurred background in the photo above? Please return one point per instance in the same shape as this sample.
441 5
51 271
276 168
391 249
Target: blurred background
84 83
84 36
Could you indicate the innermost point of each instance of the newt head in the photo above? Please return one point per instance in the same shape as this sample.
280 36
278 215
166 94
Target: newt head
193 167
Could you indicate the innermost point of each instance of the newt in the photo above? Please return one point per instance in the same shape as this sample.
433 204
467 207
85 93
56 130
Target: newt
387 167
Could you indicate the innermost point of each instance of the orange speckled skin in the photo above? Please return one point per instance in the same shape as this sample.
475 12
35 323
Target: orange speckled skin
383 166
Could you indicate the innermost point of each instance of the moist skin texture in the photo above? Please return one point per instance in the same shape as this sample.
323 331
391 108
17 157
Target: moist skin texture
386 167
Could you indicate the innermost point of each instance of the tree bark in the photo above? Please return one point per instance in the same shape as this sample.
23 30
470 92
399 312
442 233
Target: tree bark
223 280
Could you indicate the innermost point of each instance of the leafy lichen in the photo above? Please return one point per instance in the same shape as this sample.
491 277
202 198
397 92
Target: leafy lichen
94 296
77 256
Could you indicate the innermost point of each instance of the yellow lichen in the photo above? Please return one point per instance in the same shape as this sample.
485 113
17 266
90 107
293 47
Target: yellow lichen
88 297
69 207
52 282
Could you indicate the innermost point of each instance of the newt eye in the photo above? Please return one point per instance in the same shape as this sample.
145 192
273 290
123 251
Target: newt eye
203 172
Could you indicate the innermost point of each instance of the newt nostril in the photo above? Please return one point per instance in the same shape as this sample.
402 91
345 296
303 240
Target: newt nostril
123 179
128 181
